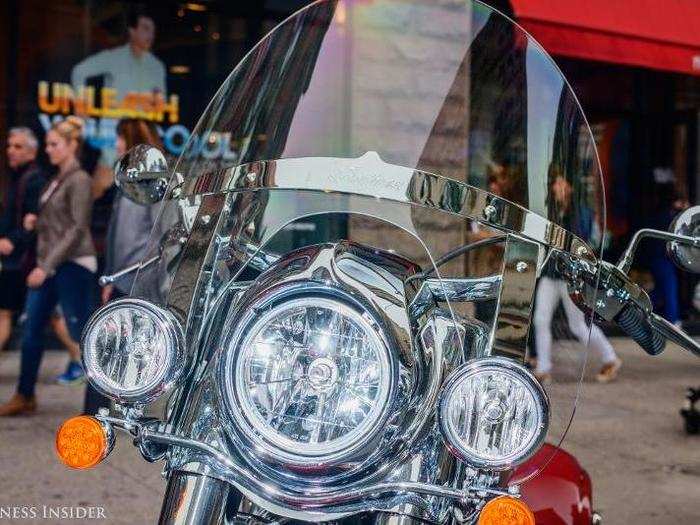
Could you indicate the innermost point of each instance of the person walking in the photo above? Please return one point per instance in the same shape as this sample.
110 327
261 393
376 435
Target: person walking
666 293
66 260
130 223
551 290
20 199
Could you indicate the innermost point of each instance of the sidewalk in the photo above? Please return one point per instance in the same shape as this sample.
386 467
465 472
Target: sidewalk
627 434
127 487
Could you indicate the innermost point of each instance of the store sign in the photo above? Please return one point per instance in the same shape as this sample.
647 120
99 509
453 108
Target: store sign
58 97
102 109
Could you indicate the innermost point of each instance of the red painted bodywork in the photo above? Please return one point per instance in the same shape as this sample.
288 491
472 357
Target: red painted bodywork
561 493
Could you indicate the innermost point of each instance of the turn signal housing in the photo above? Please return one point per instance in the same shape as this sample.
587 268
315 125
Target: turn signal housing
82 442
506 511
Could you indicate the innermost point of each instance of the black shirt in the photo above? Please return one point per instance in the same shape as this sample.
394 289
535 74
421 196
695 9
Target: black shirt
21 198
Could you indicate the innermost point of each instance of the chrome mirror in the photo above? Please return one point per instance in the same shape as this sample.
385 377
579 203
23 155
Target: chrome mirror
142 174
685 255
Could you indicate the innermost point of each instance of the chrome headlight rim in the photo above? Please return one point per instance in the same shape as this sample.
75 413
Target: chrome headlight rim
240 420
167 377
508 367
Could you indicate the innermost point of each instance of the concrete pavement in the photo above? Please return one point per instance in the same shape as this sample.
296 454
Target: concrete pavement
627 434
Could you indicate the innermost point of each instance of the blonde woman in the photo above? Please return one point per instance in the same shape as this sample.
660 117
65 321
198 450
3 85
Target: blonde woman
66 261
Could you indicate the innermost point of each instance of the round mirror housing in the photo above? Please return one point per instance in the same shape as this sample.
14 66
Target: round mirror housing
686 256
142 174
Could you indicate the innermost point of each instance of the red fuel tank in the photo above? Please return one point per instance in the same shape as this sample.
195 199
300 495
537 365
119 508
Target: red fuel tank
561 493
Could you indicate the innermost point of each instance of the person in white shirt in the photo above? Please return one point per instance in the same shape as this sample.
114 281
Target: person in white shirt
130 68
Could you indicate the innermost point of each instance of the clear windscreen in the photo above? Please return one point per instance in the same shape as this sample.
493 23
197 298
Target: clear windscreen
447 89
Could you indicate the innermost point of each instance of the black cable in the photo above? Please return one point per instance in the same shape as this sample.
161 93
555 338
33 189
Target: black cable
457 252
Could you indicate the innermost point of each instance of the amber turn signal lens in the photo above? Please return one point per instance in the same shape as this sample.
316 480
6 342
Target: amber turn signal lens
82 442
506 511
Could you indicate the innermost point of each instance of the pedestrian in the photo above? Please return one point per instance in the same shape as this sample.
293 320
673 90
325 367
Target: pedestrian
127 234
130 223
74 374
665 295
551 290
66 260
20 199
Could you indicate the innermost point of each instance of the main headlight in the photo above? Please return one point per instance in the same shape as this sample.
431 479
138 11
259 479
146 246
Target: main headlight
309 379
493 413
133 351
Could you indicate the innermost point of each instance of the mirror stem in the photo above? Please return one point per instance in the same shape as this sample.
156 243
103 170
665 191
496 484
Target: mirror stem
109 279
625 262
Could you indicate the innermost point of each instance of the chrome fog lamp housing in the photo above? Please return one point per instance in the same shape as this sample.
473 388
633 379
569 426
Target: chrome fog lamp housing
133 351
308 378
493 413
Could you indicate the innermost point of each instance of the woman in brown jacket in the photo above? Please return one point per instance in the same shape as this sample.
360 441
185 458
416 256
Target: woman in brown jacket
66 261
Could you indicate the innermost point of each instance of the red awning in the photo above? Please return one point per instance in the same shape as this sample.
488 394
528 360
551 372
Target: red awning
659 34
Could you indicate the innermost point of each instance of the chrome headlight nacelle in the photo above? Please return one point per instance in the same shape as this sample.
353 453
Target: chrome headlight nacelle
493 413
133 351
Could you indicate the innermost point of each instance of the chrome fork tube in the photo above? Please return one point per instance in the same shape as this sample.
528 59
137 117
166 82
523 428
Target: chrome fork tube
193 499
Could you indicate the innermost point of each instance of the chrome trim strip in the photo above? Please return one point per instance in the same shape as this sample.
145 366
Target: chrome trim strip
465 290
370 176
453 290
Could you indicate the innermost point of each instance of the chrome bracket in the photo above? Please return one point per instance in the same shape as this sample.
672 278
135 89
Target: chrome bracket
521 261
151 434
183 290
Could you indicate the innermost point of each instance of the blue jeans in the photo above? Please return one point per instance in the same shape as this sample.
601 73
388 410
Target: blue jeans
665 293
73 287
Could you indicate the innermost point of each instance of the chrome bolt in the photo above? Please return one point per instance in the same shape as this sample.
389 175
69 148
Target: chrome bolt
521 266
251 176
177 192
205 219
514 490
103 411
600 303
489 212
581 250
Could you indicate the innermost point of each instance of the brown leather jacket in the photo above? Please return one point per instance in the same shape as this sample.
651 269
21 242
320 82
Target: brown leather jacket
63 225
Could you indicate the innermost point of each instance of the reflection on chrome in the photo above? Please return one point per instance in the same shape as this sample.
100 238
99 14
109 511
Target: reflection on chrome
340 317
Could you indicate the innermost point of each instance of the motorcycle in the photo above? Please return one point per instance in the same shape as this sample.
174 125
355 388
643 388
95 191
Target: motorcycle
331 320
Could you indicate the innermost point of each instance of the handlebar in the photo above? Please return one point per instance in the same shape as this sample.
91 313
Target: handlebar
606 290
634 323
